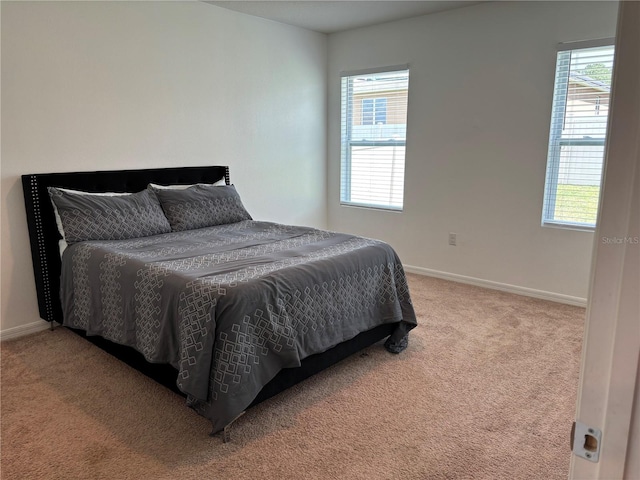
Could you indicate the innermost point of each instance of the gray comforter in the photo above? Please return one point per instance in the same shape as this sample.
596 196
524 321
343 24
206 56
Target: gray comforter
230 306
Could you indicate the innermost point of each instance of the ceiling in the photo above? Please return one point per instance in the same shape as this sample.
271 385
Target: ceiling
335 16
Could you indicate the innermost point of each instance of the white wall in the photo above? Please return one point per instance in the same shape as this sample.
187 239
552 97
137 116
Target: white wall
113 85
481 84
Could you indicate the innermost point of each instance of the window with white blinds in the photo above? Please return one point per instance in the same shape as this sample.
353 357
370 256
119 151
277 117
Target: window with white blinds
577 135
374 126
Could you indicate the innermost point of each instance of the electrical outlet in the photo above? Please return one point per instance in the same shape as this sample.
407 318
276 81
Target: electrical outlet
452 239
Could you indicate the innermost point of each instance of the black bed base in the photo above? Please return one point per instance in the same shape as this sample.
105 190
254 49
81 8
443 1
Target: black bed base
166 375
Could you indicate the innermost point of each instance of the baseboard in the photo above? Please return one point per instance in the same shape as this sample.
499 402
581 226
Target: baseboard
504 287
22 330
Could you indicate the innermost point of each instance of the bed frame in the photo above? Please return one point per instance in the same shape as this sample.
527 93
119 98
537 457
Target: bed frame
44 237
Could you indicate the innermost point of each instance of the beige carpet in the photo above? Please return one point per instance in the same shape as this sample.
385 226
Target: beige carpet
486 390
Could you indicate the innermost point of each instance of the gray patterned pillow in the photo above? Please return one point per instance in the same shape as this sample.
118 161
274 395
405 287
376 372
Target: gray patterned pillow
87 216
201 206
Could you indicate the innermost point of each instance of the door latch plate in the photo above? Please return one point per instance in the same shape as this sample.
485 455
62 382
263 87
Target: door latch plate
585 441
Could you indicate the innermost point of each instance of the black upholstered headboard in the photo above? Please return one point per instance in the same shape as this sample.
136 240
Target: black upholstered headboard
43 232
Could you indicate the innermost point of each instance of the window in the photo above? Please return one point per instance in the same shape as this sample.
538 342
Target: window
374 109
374 126
577 135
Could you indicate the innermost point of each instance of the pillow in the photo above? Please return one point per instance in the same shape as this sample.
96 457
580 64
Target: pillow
219 183
89 216
62 243
201 206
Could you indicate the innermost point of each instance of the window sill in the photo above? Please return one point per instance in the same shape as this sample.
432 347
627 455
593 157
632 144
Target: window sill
371 207
569 226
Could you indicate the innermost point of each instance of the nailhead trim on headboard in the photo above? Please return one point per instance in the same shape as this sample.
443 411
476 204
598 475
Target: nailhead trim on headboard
42 253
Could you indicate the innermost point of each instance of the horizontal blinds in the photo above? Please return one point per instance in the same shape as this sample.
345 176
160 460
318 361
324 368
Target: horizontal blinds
577 137
374 125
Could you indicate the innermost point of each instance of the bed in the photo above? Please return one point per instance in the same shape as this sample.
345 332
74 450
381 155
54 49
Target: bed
227 314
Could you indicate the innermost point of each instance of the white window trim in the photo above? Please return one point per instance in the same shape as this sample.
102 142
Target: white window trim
555 141
345 182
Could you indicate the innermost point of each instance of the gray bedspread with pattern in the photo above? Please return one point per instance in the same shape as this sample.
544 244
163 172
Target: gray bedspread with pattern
230 306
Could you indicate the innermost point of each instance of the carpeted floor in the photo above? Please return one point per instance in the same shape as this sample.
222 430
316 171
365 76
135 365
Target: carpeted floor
486 390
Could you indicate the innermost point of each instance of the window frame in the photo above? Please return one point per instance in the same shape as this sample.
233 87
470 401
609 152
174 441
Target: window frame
347 142
556 140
